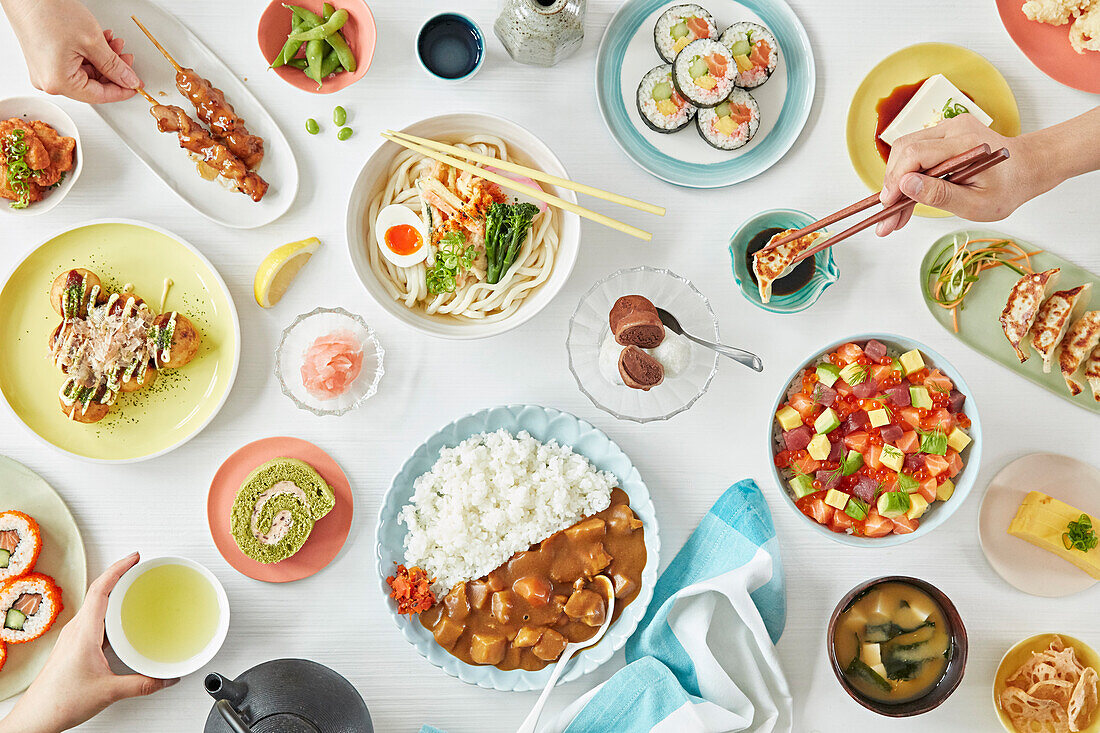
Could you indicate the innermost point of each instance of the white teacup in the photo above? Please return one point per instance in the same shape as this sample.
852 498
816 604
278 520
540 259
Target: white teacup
138 661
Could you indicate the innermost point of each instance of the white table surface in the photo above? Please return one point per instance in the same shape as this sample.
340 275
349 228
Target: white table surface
159 506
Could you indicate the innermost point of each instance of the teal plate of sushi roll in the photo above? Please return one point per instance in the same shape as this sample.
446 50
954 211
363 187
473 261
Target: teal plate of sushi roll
705 96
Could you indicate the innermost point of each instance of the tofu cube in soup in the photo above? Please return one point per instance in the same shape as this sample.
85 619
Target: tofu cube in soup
488 648
550 645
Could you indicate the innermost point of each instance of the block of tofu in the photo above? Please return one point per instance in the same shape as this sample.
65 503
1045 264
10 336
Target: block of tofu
1041 520
936 100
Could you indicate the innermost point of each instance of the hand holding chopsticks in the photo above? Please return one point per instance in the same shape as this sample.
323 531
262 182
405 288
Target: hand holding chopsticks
957 170
459 158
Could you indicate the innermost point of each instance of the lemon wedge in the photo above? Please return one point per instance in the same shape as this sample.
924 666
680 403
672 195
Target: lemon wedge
279 268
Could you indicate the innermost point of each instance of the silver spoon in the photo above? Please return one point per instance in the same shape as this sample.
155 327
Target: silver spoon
752 361
532 720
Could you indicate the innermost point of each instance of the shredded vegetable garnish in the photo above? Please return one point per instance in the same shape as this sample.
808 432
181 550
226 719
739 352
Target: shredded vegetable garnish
15 148
959 265
411 589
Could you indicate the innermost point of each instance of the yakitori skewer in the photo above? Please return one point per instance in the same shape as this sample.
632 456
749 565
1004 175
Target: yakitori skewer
225 124
532 173
508 183
197 139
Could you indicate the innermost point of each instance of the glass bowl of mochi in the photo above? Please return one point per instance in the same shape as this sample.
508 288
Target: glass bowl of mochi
625 361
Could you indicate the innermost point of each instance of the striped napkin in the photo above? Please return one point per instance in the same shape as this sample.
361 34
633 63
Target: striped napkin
703 659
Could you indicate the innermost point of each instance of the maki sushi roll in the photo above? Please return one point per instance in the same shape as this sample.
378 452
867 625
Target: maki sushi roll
29 606
732 123
680 25
660 105
3 654
755 52
703 73
20 543
276 507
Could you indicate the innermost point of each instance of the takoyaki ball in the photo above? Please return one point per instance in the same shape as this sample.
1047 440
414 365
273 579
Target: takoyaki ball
186 340
124 302
138 381
53 336
94 412
70 281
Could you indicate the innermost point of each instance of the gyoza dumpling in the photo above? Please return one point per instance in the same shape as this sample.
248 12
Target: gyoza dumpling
1054 318
1079 342
1023 306
770 265
1092 373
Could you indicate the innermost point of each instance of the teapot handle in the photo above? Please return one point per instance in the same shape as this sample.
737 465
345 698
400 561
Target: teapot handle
231 717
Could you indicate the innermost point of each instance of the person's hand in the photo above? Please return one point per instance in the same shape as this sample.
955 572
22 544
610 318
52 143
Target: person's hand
989 196
69 54
77 682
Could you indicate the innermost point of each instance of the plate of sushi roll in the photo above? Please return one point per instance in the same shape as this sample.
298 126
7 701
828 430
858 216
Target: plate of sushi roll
739 72
43 573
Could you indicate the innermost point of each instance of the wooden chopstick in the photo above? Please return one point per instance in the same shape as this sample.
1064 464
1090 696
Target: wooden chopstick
960 176
535 193
950 165
532 173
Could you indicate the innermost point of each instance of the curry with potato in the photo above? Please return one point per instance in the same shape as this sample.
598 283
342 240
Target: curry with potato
522 615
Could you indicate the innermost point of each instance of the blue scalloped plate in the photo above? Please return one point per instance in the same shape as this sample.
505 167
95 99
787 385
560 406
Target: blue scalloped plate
627 53
826 271
544 424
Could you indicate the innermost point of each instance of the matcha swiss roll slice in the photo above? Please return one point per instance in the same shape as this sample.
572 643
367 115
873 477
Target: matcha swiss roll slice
276 507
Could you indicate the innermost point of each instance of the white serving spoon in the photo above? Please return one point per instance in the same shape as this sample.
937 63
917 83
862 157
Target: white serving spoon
532 720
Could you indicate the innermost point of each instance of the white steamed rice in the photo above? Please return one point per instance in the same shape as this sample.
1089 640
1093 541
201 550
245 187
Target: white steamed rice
494 495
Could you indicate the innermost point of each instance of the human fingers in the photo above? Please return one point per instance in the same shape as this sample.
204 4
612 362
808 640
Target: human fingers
918 156
128 59
104 58
136 685
116 44
108 35
963 200
95 602
894 222
98 90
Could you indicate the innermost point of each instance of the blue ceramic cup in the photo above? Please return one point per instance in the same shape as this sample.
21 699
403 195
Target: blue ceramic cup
450 47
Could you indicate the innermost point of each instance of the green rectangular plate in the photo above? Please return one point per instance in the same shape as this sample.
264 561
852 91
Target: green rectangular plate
979 318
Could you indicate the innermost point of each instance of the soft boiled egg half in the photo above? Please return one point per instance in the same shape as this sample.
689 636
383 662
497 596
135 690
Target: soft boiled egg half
401 235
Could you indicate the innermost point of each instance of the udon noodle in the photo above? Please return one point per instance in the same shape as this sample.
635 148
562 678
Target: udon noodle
473 299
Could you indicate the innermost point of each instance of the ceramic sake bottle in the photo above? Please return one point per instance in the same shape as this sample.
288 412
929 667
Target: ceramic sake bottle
541 32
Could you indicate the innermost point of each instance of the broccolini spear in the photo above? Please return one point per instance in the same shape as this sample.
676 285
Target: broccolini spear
494 228
519 221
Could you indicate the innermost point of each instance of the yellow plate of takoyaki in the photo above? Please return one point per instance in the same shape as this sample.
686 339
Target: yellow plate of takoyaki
120 341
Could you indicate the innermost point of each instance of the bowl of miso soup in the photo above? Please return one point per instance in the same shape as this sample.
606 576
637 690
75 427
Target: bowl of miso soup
897 645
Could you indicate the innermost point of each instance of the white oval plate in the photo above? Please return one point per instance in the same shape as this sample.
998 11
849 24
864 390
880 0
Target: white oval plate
1021 564
160 151
35 108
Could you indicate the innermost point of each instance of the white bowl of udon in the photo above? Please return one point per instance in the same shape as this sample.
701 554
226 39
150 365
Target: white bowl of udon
475 309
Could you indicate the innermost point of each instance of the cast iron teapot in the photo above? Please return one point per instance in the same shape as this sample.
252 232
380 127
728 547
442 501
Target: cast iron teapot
286 696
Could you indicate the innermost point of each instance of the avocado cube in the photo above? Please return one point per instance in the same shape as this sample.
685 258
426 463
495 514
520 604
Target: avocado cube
894 504
912 361
907 483
958 439
892 458
945 490
827 374
788 418
5 558
836 499
851 463
856 509
918 506
853 374
819 448
826 422
802 485
920 398
879 417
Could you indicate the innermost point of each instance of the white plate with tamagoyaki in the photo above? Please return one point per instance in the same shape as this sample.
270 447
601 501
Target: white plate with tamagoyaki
160 151
1021 564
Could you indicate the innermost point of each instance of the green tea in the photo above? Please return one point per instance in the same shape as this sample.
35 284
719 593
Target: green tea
170 613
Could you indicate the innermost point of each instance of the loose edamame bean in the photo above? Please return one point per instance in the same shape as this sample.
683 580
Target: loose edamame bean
339 116
344 134
312 126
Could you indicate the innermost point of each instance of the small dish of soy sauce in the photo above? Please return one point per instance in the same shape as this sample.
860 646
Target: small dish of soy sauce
798 289
450 47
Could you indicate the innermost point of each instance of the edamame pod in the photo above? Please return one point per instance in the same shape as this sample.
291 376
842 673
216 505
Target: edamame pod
315 56
323 31
347 58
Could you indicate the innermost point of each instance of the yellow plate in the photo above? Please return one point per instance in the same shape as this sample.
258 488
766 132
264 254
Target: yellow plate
966 70
143 424
1020 653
